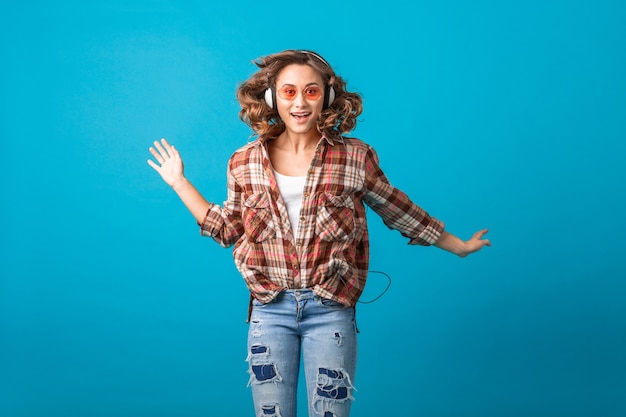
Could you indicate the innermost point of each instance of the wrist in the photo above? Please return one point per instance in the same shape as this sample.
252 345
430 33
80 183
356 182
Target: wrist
461 249
179 184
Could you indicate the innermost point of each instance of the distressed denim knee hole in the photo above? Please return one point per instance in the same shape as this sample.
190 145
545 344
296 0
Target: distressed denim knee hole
333 387
261 369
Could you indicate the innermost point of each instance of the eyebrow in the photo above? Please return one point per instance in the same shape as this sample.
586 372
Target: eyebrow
308 85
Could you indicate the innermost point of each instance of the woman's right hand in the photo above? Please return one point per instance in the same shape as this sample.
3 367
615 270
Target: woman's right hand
170 166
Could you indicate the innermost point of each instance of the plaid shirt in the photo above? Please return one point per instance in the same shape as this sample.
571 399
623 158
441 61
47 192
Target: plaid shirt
330 254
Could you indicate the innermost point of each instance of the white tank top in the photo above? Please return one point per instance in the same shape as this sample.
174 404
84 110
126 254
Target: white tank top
291 188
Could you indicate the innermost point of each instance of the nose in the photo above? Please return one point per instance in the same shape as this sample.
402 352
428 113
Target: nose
299 100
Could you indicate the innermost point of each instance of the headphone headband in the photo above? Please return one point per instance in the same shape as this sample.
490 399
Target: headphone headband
316 55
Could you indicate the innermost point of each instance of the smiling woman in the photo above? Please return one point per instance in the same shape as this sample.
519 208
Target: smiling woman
484 112
296 216
299 112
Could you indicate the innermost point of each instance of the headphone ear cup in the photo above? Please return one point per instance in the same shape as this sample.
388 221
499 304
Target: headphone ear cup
330 97
269 97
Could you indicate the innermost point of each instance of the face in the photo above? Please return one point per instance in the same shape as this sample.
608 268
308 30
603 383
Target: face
299 98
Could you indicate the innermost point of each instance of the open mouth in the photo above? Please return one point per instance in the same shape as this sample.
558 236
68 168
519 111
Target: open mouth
301 117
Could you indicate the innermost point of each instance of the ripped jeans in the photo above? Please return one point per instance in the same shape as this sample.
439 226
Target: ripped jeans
298 321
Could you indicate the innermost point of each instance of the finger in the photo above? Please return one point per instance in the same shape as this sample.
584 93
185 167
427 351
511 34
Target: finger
167 146
174 152
156 155
480 234
162 151
153 165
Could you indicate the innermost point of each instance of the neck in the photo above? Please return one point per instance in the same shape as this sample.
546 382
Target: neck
298 142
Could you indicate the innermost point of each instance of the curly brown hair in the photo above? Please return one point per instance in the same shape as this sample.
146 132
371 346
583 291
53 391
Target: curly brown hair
339 118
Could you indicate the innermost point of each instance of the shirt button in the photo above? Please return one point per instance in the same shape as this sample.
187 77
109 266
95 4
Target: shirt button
305 195
302 218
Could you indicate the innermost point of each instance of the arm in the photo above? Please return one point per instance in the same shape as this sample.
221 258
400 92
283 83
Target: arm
171 169
451 243
395 208
399 212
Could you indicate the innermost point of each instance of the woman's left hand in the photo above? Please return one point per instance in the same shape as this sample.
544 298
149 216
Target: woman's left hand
447 241
475 243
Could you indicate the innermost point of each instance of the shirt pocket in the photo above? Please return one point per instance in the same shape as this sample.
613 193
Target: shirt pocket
257 218
335 218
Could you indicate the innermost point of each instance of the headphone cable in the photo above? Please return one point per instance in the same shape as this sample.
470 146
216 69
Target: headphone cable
384 291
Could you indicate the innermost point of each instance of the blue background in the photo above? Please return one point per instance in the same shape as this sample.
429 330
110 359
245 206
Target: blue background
507 115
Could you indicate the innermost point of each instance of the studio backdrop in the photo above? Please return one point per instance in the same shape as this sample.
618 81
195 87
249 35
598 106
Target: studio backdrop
501 115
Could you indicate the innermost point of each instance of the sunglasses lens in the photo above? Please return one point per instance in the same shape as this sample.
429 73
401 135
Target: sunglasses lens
287 93
312 93
290 93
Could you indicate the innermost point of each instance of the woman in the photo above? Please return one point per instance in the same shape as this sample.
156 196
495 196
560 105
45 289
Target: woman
295 213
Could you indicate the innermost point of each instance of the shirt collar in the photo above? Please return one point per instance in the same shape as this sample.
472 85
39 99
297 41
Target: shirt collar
261 140
331 142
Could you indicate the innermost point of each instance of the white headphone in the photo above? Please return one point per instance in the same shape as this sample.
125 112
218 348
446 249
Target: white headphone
329 91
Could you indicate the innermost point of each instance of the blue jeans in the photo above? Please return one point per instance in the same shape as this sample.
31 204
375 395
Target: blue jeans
298 321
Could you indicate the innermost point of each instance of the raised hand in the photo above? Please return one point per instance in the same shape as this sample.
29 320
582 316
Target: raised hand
170 166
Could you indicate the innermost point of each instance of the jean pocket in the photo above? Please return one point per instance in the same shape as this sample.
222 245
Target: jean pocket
257 303
327 302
